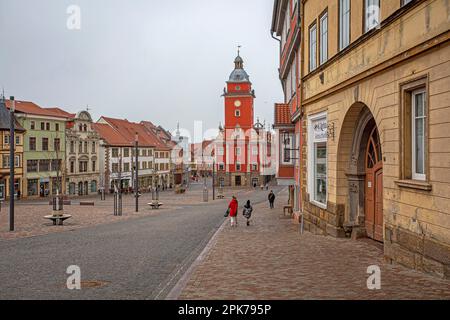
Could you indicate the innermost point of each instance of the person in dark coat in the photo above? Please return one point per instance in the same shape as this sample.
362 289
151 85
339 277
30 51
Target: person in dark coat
271 198
248 209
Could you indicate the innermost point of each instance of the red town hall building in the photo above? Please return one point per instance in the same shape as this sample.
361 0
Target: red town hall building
243 156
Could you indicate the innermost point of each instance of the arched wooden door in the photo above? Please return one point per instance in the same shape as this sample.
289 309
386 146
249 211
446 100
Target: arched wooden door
374 187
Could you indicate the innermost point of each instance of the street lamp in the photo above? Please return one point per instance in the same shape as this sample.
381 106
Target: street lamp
136 180
11 165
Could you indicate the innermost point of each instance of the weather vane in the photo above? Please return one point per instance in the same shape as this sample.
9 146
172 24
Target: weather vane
239 49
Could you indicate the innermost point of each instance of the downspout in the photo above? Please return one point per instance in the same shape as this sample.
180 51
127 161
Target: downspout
279 55
300 103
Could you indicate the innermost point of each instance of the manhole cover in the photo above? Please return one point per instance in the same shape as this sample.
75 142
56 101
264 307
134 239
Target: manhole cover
92 284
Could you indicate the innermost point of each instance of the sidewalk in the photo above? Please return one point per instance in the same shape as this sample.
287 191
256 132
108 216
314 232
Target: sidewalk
272 260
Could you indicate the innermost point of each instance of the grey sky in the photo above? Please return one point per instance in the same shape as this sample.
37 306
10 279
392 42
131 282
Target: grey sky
163 61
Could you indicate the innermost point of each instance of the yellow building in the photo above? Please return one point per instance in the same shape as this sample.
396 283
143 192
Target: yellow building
375 97
4 154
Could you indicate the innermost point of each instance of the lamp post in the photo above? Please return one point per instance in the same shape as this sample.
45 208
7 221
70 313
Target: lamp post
214 180
136 180
11 165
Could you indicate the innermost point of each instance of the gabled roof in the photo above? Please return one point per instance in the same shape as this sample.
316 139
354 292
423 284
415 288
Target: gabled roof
127 131
159 137
61 112
32 108
282 115
110 135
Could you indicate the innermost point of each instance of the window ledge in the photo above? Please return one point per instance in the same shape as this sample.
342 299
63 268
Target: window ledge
318 204
414 184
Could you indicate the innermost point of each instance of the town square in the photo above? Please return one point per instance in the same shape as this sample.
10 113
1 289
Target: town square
225 151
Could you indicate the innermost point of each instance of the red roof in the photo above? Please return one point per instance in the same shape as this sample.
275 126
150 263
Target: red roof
61 112
128 130
157 132
282 114
110 135
32 108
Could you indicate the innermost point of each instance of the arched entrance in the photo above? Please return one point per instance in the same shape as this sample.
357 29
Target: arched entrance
360 175
374 187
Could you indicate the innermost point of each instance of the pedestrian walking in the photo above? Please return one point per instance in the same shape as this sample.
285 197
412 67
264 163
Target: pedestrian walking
233 208
248 209
271 198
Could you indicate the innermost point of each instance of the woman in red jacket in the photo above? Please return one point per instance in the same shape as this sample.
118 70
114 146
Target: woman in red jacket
233 206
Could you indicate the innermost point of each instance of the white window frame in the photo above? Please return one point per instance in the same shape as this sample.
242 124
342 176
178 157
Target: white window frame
254 150
313 47
237 113
238 166
221 166
415 175
323 50
344 24
311 159
238 151
371 21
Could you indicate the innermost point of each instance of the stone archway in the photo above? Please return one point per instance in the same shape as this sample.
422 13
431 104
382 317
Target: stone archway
357 128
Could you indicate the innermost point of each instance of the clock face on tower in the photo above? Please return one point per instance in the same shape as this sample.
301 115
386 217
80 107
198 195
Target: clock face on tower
237 103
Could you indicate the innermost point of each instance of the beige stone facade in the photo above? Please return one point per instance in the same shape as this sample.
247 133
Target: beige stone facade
375 114
374 79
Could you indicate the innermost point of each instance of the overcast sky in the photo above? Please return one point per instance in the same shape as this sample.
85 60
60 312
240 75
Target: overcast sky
163 61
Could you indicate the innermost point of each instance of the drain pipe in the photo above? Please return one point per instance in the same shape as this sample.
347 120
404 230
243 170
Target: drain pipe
301 9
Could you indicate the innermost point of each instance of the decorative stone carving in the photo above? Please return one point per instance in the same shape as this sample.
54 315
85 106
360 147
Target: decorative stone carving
353 187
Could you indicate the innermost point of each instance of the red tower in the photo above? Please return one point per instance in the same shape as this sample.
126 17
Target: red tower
239 98
238 149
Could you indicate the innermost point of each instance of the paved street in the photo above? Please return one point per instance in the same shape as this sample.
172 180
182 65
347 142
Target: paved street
272 260
138 258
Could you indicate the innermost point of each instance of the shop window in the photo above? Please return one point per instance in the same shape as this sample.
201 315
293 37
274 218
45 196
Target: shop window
317 159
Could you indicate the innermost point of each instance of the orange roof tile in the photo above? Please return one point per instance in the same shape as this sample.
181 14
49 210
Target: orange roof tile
128 131
29 107
110 135
282 114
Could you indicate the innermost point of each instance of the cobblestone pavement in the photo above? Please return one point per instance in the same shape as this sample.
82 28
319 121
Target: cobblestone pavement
272 260
29 214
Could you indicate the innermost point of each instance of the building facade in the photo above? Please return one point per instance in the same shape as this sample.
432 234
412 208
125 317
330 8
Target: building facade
5 139
44 148
286 25
374 80
286 146
164 166
118 159
82 175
